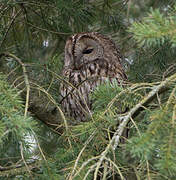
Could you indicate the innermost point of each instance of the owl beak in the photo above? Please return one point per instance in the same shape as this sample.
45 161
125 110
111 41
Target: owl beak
78 62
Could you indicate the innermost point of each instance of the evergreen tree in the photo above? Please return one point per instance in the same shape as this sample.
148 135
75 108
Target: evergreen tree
37 140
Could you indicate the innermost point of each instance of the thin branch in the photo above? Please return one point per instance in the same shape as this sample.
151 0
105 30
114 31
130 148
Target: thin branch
114 142
25 78
16 166
27 167
85 164
144 102
46 30
10 25
76 162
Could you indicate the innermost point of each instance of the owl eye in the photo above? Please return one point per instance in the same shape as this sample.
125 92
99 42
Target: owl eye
87 51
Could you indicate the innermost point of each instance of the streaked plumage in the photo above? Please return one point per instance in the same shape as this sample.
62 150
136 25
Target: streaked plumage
90 59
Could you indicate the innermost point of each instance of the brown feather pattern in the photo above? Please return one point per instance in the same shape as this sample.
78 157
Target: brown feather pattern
85 71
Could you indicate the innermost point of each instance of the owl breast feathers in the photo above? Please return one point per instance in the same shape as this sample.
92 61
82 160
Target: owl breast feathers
90 60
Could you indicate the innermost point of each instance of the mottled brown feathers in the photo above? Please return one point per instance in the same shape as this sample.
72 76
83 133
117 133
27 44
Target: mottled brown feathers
90 60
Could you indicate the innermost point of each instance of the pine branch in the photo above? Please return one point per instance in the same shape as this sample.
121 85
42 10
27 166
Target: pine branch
125 119
114 142
154 29
25 78
16 166
10 26
50 116
14 170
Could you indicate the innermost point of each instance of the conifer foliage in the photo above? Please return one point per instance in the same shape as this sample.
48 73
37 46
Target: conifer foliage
37 141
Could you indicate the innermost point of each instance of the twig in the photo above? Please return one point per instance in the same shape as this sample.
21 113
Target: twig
25 78
11 23
16 166
114 142
27 167
76 162
46 30
85 164
126 119
72 90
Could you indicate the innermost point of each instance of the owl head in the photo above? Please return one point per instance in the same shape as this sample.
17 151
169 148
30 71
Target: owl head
85 48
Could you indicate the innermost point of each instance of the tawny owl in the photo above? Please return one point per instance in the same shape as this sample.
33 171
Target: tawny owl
90 59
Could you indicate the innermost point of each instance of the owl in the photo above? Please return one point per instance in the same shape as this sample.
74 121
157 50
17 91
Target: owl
90 60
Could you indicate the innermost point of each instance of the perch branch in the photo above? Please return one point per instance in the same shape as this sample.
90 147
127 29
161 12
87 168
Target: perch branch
114 142
125 119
